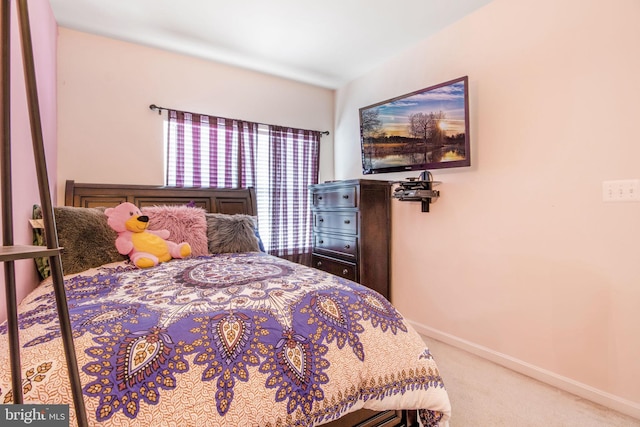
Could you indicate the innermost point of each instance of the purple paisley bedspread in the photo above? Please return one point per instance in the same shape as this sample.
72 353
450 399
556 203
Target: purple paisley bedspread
232 339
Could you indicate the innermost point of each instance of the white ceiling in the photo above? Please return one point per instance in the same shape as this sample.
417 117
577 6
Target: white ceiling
325 42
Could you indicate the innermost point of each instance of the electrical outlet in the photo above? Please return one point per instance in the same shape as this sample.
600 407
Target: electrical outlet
622 190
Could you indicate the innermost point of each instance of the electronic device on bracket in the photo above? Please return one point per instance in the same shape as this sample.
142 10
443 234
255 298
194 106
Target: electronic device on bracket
418 190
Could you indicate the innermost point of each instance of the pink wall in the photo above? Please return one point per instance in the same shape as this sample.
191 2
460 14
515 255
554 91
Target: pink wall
25 188
520 260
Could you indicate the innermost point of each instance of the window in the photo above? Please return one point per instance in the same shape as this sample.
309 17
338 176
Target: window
280 162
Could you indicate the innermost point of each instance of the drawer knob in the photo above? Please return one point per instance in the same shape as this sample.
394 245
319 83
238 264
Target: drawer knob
321 219
321 241
319 197
347 221
347 246
319 264
345 196
345 272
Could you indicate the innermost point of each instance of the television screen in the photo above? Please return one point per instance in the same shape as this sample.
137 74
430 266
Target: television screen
426 129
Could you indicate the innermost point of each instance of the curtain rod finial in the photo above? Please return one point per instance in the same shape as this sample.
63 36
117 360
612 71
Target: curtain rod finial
154 107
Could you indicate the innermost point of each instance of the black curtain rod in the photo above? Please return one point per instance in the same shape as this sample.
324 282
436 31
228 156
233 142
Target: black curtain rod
155 107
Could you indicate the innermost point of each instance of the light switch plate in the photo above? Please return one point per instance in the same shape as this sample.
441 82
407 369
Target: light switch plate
621 190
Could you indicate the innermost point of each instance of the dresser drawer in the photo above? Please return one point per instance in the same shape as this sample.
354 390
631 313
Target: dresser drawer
336 267
338 198
340 246
337 222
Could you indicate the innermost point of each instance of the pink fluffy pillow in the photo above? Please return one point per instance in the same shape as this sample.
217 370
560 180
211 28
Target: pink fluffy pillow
185 224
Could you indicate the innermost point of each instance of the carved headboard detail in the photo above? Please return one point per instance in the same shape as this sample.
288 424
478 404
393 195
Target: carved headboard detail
214 200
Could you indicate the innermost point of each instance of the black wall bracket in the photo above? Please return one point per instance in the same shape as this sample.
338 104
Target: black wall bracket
418 190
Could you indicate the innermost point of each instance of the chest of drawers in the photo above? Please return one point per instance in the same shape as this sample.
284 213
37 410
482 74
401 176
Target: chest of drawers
351 230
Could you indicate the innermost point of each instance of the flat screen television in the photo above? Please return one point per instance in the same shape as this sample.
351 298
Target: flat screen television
422 130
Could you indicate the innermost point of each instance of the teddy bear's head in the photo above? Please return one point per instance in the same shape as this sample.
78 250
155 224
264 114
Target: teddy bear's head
127 217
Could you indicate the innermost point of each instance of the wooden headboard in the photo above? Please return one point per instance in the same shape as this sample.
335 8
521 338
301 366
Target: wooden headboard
214 200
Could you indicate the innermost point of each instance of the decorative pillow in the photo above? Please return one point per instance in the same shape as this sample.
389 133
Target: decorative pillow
184 223
257 233
86 239
231 233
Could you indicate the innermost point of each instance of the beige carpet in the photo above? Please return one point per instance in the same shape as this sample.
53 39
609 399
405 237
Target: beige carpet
483 394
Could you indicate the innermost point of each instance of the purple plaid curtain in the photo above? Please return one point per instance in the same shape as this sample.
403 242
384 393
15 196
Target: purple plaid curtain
205 151
293 166
280 163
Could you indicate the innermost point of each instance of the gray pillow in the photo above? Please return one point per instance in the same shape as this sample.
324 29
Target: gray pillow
231 233
86 238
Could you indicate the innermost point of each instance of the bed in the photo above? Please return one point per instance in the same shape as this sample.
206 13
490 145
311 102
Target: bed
229 336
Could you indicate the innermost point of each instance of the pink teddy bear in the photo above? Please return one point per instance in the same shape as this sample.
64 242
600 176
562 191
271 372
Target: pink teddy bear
145 248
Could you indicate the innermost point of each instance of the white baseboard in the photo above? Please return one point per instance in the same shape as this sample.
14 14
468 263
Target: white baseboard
585 391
